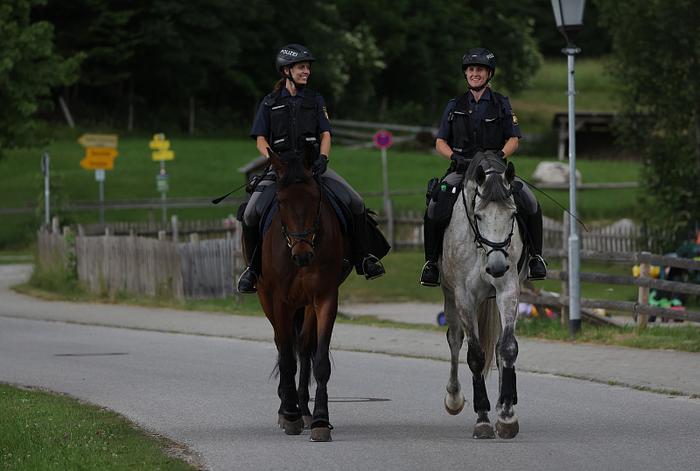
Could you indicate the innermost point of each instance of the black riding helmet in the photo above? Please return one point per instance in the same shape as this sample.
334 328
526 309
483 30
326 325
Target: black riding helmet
480 56
292 54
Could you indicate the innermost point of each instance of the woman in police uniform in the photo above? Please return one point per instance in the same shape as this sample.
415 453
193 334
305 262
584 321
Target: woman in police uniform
288 120
480 120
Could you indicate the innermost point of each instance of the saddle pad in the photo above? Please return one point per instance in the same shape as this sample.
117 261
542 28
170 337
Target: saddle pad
341 210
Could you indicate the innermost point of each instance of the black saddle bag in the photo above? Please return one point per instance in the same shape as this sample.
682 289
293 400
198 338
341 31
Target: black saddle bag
444 196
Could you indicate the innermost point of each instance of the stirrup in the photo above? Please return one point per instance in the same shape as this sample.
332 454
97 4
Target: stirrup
245 284
430 274
537 276
369 261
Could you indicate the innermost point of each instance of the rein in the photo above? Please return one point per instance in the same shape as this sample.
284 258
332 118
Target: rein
479 239
308 236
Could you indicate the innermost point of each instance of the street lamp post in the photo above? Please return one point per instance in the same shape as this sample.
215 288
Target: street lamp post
568 15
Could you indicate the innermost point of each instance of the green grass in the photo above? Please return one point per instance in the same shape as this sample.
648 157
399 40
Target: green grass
42 431
207 168
683 338
547 94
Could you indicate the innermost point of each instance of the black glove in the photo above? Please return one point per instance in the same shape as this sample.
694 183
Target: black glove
459 163
501 154
320 165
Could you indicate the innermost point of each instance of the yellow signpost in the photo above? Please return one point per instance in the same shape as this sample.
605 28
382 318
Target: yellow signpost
100 152
99 140
161 148
99 158
161 152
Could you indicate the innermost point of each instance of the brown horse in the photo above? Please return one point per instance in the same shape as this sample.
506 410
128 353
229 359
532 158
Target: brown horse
302 268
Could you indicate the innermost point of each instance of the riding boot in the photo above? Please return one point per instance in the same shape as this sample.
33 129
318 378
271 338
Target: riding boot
248 279
432 240
365 263
537 265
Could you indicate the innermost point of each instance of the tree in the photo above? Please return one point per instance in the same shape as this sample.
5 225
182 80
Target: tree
656 52
29 68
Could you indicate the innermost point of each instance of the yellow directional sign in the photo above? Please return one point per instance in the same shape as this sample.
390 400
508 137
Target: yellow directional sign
161 148
163 155
99 158
97 163
101 152
98 140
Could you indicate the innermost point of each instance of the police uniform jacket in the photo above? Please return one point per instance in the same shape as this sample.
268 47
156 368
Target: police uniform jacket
289 122
469 126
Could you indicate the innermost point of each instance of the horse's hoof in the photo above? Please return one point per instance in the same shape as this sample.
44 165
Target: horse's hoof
290 427
483 430
307 421
508 429
452 406
321 434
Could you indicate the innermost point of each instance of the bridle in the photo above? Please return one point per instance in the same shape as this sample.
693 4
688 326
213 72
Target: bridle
479 239
308 236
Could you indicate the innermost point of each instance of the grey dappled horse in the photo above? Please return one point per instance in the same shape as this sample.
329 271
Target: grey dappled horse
481 286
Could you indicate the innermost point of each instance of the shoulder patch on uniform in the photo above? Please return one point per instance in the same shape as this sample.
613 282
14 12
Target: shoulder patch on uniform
325 112
515 120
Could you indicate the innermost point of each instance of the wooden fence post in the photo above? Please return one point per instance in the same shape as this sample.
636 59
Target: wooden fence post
176 232
643 294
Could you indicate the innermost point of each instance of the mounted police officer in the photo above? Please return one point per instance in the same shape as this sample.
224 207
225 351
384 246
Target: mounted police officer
479 120
289 120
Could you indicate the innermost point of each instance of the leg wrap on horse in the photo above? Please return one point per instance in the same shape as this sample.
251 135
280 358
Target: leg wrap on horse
509 390
481 398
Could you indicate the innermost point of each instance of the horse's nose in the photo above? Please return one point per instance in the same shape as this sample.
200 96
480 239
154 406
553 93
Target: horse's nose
303 259
497 272
497 266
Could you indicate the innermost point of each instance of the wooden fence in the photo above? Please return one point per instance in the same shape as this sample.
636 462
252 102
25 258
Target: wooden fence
640 308
142 266
408 233
55 252
209 267
108 265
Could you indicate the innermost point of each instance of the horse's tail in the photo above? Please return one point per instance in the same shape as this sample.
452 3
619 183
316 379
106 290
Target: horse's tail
489 321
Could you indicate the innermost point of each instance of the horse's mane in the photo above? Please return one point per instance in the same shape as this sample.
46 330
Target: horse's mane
493 188
294 169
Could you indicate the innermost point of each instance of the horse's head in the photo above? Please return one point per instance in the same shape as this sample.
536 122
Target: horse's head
494 213
299 203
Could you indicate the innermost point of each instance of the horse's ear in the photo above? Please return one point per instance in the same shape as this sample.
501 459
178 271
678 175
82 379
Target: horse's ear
510 172
480 175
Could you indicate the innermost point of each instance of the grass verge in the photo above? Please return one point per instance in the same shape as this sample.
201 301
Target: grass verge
682 338
49 431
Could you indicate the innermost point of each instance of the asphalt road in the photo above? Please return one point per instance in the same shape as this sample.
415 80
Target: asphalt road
216 395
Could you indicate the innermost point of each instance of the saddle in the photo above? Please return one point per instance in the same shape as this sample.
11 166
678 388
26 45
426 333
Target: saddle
341 210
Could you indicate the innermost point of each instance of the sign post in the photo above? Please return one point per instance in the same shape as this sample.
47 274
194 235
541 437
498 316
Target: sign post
383 140
161 152
45 169
100 152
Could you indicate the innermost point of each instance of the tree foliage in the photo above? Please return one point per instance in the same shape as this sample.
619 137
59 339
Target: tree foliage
656 48
376 59
29 68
